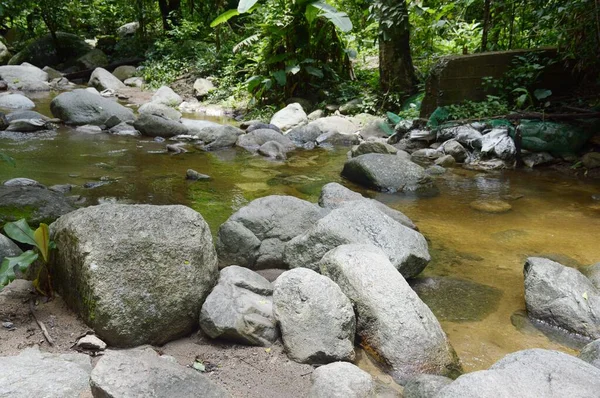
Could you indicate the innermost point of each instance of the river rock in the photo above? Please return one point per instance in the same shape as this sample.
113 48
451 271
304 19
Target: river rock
316 319
591 353
446 161
39 374
373 147
254 140
23 182
289 117
202 87
456 150
425 156
240 308
154 108
166 96
143 373
5 55
341 380
16 115
136 274
52 73
387 173
591 160
134 82
334 195
158 126
28 125
392 322
124 129
193 175
490 206
498 143
562 296
89 129
42 51
8 248
529 374
361 223
273 150
213 135
593 274
255 235
129 29
124 72
257 125
93 59
36 205
425 386
24 77
83 107
15 101
101 79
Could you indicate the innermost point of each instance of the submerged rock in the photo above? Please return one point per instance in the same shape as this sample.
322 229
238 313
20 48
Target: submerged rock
562 296
361 223
316 319
115 264
343 380
529 374
83 107
387 173
255 235
143 373
240 308
392 322
193 175
491 206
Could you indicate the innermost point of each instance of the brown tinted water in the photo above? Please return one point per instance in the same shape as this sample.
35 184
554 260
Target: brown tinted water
484 252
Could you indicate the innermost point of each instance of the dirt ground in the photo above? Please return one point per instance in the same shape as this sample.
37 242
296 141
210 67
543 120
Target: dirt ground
243 371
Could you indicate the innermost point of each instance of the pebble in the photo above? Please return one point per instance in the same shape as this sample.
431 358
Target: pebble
8 325
90 343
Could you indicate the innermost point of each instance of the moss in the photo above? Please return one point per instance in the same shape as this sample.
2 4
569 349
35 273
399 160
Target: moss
14 213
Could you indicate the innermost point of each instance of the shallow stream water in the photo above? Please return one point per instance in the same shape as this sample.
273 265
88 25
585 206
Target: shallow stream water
480 307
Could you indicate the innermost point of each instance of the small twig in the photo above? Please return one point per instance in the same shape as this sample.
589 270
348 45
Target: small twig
248 363
306 374
41 324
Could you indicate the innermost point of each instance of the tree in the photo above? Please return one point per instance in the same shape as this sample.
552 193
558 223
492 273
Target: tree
396 70
170 12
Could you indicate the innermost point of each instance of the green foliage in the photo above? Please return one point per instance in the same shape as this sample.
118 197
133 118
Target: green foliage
492 106
21 232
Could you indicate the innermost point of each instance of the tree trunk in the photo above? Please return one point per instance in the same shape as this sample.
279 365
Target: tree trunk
486 24
170 13
396 70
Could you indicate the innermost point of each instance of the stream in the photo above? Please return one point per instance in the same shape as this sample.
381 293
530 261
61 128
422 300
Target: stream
480 301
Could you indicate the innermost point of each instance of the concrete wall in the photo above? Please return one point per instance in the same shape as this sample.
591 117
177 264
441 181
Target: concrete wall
459 78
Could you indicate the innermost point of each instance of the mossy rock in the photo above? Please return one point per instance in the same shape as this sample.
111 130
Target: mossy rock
36 205
41 52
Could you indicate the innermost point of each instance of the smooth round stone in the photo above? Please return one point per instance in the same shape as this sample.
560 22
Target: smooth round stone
491 206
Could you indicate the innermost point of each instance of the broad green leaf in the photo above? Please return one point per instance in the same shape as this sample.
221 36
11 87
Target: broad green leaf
246 42
7 268
521 100
7 159
280 77
253 82
42 240
340 19
314 71
541 94
20 231
245 5
294 69
226 16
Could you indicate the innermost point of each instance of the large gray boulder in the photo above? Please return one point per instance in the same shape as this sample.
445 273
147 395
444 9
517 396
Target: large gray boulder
341 380
289 117
136 274
202 87
143 373
8 248
36 205
373 147
42 51
529 374
254 140
255 235
83 107
24 77
101 79
92 59
39 374
240 308
153 125
391 320
562 296
166 96
334 195
389 173
154 108
124 72
316 319
15 101
362 223
213 135
591 353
